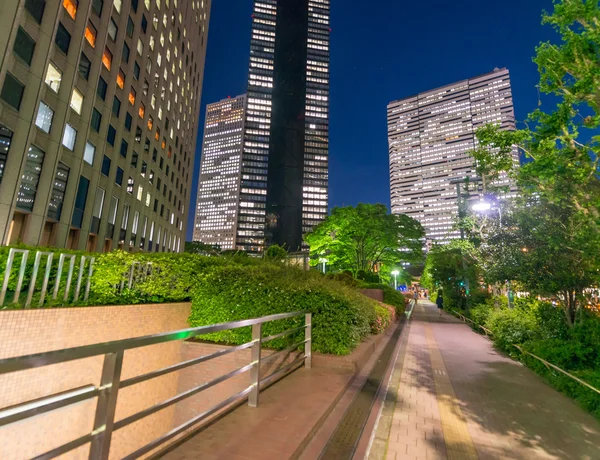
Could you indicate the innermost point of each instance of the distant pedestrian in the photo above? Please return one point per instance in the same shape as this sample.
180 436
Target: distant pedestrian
440 301
416 296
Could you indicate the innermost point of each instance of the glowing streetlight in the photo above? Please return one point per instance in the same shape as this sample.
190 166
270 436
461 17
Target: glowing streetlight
395 273
481 206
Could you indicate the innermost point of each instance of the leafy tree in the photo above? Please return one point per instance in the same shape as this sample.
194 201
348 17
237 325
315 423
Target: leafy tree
276 253
197 247
363 237
452 267
550 250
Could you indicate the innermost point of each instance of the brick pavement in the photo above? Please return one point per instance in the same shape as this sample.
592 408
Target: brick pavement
458 398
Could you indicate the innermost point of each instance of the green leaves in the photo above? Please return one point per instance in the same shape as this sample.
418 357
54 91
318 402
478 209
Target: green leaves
359 238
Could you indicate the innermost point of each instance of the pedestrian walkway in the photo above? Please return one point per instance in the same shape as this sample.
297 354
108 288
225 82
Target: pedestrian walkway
454 397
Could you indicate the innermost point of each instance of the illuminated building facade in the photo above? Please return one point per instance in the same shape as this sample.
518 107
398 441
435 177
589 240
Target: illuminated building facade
99 105
430 135
284 174
219 182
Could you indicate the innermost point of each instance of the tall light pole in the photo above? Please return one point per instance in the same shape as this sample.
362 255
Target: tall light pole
482 206
395 273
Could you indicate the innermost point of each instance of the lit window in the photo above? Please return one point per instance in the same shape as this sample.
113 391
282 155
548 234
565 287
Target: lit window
163 143
69 137
140 47
140 193
76 101
53 77
90 34
148 199
151 44
71 7
121 79
142 110
157 134
118 4
150 123
89 153
132 95
107 58
44 117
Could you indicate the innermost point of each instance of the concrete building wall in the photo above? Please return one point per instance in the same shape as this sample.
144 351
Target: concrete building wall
128 87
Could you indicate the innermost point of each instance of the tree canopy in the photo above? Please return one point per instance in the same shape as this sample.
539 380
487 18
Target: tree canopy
363 237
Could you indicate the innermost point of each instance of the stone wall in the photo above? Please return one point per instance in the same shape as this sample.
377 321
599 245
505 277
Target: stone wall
376 294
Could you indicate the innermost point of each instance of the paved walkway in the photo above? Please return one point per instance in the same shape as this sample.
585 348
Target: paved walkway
457 398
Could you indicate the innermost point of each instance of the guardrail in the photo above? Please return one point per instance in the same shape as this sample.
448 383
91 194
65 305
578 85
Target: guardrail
465 319
110 382
12 253
525 352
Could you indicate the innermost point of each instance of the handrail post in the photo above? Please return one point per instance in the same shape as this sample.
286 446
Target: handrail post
308 344
107 404
255 371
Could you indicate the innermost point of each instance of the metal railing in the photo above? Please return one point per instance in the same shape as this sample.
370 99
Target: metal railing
71 258
548 365
465 319
110 382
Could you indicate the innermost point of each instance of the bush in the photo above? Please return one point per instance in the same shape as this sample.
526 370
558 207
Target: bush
383 320
342 317
512 326
390 296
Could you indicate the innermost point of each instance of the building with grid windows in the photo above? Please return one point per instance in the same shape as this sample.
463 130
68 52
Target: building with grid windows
284 171
430 135
99 105
219 182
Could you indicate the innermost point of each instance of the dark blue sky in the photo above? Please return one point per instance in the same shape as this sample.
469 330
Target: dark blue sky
382 50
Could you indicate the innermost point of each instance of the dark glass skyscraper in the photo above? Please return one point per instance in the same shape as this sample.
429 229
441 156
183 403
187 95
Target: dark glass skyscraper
284 175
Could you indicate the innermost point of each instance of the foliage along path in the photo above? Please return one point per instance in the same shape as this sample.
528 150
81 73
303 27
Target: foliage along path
454 397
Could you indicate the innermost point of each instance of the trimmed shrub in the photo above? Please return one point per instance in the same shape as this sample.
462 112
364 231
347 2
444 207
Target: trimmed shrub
383 320
390 296
342 317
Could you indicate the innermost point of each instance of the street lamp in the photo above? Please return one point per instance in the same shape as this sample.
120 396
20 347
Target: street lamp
324 262
481 206
395 273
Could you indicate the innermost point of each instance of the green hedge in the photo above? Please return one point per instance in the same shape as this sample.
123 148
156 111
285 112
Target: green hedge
540 328
342 317
390 296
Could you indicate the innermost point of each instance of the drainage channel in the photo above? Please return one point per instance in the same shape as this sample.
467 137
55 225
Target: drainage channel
343 442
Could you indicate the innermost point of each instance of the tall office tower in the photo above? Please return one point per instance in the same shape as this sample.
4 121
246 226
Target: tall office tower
284 184
219 183
99 105
430 135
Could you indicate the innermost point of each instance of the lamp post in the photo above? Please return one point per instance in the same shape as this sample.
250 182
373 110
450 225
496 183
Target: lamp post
324 262
483 206
395 273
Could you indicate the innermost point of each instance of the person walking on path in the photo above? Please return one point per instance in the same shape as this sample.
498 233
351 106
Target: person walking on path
440 301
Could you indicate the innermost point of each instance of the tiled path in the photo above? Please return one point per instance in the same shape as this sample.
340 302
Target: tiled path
457 398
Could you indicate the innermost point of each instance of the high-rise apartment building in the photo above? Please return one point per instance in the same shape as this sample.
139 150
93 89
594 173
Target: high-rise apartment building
219 182
99 105
430 135
284 175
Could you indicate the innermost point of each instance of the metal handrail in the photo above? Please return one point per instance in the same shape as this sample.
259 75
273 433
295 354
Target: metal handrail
464 319
110 382
525 352
548 364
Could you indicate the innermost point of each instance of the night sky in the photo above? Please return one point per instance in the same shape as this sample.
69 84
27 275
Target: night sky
383 50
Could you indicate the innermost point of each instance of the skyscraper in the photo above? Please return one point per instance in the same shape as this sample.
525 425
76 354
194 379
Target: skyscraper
284 174
219 182
430 135
99 105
